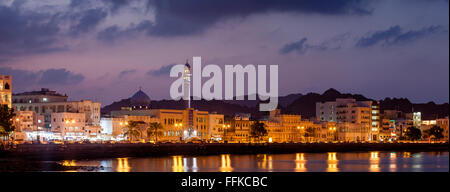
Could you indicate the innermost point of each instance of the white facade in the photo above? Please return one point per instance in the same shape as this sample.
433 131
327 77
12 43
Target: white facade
72 126
90 109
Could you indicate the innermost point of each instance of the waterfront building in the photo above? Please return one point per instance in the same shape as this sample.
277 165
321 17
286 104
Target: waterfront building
310 131
240 128
182 125
353 132
417 119
284 127
72 126
441 122
376 121
29 126
5 90
329 131
444 124
114 128
349 114
178 125
45 102
388 130
216 126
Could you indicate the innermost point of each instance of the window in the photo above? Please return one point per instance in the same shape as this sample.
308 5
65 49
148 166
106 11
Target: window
7 87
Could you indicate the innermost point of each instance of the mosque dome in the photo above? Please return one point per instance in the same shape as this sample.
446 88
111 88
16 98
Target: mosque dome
140 100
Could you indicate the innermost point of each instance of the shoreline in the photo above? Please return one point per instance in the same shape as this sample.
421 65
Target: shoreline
56 152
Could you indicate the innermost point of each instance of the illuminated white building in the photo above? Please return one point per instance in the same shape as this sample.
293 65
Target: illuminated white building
72 126
349 111
45 102
29 126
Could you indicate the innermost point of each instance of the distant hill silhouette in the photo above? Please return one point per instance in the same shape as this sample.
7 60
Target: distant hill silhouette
283 101
304 105
429 110
203 105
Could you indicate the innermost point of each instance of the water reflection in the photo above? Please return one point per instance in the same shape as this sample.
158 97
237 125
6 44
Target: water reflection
177 164
69 163
406 155
194 164
393 162
300 162
225 163
374 162
122 165
332 162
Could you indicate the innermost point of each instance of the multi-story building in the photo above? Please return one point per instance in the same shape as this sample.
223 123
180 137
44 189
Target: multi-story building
181 125
352 117
284 127
216 126
241 126
29 126
376 120
328 132
46 102
72 126
441 122
444 124
5 90
388 130
353 132
326 111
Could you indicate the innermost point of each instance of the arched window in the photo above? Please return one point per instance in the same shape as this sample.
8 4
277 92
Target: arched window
7 87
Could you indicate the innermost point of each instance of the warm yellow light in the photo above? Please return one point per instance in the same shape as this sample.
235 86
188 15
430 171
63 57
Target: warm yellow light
17 119
270 139
73 121
126 123
176 125
298 127
303 127
181 124
67 121
229 126
121 123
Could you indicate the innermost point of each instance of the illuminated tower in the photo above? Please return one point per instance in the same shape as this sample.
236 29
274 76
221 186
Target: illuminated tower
187 84
5 90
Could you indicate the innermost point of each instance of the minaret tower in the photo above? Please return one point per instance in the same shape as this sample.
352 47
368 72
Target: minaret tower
187 84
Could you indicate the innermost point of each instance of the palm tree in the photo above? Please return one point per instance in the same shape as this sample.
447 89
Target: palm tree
413 133
258 130
154 129
132 131
434 132
6 125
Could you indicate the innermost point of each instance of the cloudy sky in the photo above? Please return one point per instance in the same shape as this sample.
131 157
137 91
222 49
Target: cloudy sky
106 49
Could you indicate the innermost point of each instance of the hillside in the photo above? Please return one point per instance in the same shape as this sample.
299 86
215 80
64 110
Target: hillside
304 105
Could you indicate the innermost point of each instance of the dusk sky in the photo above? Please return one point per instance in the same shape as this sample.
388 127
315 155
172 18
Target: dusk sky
106 49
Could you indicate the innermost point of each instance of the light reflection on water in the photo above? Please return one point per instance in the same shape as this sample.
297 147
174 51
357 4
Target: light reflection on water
374 161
